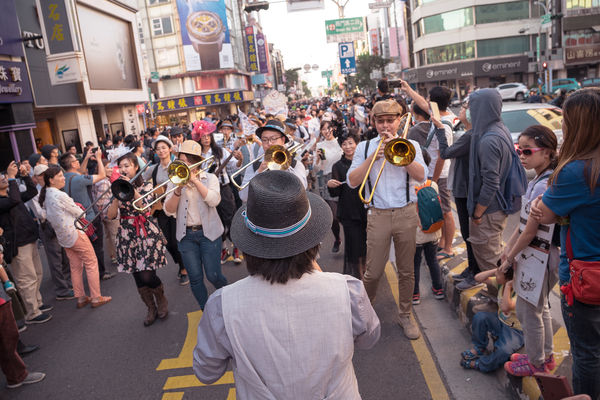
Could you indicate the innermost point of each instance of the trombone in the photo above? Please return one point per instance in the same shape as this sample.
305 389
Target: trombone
278 158
398 151
121 190
179 174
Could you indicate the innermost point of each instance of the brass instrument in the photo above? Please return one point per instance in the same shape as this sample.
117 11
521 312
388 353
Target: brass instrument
398 151
278 158
120 189
179 174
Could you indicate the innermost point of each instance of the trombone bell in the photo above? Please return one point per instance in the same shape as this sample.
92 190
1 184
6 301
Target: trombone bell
278 158
178 173
399 152
122 190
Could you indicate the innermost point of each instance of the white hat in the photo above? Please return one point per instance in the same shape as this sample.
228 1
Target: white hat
39 169
162 138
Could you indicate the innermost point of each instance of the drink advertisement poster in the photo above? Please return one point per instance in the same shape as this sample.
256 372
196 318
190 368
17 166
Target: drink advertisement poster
205 34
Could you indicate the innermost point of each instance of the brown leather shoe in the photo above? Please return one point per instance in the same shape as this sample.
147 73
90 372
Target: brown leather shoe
410 329
100 301
81 304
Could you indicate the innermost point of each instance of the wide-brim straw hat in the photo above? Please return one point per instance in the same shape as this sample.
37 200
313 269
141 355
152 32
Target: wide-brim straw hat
280 219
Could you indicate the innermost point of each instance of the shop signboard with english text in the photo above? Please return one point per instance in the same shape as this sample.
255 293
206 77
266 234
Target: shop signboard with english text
205 35
14 83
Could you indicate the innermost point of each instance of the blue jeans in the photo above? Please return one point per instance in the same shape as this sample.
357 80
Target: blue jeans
430 250
508 340
197 253
582 322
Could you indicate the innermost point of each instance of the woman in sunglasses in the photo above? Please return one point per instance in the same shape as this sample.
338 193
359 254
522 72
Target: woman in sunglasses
537 151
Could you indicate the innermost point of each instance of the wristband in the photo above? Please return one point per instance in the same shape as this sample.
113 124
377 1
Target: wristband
474 217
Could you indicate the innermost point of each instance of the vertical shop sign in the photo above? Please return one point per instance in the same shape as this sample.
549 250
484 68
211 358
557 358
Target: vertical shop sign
251 49
56 24
261 47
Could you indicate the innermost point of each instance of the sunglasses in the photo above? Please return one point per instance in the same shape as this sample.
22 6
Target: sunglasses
529 151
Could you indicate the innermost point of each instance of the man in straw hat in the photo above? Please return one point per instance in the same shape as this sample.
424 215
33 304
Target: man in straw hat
273 133
266 323
393 212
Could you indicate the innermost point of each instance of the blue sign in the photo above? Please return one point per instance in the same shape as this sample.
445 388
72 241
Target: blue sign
347 59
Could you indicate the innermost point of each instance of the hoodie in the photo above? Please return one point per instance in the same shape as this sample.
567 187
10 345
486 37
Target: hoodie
489 154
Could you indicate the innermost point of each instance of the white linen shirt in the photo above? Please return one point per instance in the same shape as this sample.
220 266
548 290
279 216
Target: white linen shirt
61 212
391 189
333 154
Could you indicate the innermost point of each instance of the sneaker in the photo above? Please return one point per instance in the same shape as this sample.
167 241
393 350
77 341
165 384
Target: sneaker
184 280
224 256
416 299
10 288
469 283
21 326
24 349
549 362
46 308
40 319
522 368
107 275
68 296
462 276
438 293
410 329
236 256
32 377
336 246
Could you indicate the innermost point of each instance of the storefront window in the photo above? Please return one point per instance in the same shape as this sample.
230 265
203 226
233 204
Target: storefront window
451 52
501 12
573 4
502 46
445 21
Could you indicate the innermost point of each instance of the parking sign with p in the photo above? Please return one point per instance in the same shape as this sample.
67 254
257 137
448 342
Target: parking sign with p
347 59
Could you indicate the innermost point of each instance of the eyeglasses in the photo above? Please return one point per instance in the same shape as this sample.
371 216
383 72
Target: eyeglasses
465 105
271 139
389 120
529 151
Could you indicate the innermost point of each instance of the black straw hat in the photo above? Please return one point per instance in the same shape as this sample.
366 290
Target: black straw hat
280 219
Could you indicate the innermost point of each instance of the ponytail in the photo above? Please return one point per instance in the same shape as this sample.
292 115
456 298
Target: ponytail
42 197
50 173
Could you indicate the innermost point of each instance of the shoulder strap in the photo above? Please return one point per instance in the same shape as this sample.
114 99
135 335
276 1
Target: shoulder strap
69 191
407 188
568 245
430 136
155 174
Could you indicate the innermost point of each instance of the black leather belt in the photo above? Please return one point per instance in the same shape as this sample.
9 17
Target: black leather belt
194 228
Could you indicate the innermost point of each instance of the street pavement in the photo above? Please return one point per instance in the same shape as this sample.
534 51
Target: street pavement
107 353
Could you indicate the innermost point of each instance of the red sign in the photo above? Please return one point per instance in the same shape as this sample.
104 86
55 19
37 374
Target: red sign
374 35
140 109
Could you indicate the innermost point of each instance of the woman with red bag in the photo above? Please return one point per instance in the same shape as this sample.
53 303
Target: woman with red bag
61 212
573 200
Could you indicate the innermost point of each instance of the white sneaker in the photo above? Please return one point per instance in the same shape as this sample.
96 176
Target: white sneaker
32 377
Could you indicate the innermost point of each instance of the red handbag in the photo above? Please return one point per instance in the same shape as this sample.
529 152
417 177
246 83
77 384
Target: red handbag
585 279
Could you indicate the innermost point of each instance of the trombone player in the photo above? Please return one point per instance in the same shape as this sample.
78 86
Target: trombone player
272 133
199 228
392 213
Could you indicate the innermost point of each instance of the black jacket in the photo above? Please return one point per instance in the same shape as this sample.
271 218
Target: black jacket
349 205
19 227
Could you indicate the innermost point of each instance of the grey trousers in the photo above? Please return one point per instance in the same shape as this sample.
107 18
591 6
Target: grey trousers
58 262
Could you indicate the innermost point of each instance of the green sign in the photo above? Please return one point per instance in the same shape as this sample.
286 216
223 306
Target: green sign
327 74
546 21
345 30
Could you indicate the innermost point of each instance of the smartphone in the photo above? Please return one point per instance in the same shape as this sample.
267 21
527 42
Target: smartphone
322 154
435 110
94 149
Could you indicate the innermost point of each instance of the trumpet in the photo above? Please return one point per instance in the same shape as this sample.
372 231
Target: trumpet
179 174
277 157
398 151
120 189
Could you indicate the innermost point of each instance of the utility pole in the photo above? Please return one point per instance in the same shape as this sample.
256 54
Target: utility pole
341 4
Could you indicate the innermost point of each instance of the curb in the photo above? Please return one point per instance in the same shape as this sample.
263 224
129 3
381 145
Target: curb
463 303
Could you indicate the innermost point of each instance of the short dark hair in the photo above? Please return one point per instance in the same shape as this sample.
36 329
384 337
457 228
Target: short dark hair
352 134
383 86
88 143
419 111
441 95
65 161
132 158
282 269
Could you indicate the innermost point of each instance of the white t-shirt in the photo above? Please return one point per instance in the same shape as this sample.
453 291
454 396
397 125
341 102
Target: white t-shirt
434 148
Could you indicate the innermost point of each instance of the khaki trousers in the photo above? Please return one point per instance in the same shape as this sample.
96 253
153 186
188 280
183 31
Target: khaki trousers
111 226
26 268
399 224
486 239
82 256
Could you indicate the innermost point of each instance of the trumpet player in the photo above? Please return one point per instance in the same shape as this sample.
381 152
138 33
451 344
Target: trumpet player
392 214
199 227
272 133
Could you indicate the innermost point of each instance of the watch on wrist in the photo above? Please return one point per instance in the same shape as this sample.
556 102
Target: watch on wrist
207 33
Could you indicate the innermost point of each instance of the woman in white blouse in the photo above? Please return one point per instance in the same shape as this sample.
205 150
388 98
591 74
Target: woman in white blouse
61 212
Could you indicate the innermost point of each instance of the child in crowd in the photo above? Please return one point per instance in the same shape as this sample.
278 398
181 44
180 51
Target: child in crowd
537 151
504 326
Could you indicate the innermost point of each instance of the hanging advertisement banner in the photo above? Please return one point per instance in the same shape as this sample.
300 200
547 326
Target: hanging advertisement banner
205 34
374 38
399 46
251 49
261 48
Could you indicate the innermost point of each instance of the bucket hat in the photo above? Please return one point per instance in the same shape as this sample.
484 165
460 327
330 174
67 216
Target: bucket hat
191 147
272 125
280 218
162 138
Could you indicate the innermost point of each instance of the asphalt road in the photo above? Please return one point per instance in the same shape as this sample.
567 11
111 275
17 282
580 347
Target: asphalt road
107 353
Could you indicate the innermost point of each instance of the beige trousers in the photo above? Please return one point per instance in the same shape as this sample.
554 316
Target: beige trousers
110 231
383 225
26 268
486 239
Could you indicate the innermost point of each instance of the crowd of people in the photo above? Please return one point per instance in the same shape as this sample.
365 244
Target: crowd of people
267 188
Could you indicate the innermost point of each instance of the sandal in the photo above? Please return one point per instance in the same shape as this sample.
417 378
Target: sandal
442 255
81 304
100 301
470 364
468 355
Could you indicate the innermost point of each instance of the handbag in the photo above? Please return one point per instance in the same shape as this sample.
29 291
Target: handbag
585 279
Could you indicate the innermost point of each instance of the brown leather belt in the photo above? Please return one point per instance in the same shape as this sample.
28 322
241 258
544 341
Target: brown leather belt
194 228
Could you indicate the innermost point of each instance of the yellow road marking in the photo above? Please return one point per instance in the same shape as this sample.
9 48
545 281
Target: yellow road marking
428 367
173 396
187 381
460 267
185 358
231 395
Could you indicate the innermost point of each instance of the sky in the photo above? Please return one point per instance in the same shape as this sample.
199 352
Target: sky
300 35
